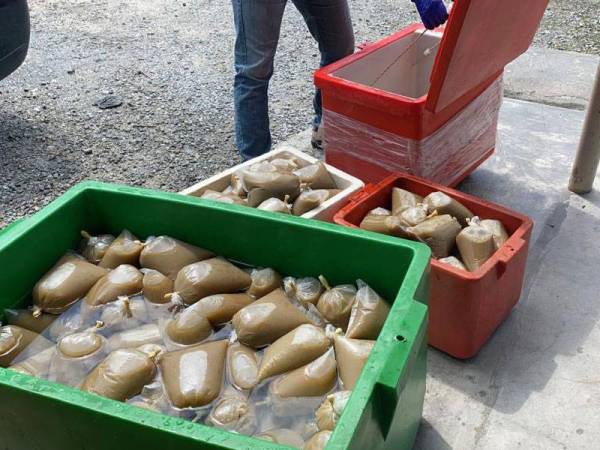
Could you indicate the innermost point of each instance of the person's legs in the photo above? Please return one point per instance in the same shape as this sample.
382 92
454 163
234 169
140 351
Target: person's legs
257 25
330 24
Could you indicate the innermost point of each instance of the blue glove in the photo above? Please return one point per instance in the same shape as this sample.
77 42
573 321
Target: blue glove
433 12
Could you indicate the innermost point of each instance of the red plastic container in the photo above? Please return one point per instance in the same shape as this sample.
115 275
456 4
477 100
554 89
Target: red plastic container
429 79
464 307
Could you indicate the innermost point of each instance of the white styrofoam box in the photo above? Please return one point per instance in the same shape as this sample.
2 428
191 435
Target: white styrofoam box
347 183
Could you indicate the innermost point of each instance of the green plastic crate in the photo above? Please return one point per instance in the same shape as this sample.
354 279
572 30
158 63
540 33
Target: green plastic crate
385 408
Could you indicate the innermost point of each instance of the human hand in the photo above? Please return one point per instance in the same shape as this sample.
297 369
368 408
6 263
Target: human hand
433 12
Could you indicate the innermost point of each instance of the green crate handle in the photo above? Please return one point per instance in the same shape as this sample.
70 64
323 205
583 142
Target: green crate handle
393 377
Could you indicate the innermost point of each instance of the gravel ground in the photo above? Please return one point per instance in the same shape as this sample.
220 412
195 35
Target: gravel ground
571 25
170 63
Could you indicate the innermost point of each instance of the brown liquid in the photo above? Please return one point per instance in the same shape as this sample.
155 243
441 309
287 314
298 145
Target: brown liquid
69 280
316 176
14 339
94 247
215 196
125 280
169 255
78 345
122 375
233 412
444 204
285 164
24 318
318 441
237 187
439 233
125 249
376 223
274 205
351 355
155 286
282 436
336 304
403 199
476 245
306 290
220 308
257 196
309 200
331 409
368 315
242 366
264 281
212 276
267 319
193 377
390 225
312 380
414 215
189 327
295 349
454 262
498 231
36 365
278 184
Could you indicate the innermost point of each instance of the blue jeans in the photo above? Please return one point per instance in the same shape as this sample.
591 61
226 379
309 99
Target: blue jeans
257 24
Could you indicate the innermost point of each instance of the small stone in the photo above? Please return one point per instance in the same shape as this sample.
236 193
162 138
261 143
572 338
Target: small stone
109 101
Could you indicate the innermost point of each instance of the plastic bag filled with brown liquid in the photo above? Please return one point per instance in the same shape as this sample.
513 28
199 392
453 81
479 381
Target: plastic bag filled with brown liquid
199 338
76 356
267 319
316 176
69 280
125 249
305 290
211 276
475 244
93 248
335 304
368 314
403 199
121 375
25 318
168 255
275 205
15 340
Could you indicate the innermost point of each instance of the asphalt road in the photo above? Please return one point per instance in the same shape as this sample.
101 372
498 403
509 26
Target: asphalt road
170 63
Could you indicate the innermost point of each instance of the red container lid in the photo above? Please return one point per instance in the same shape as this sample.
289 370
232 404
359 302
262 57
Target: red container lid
480 39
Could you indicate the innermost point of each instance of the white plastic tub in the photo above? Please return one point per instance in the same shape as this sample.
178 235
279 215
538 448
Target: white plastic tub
347 183
403 67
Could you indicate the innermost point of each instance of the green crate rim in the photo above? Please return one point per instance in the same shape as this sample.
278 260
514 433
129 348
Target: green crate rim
396 332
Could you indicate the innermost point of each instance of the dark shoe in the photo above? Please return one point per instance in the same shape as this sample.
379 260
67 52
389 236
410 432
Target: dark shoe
317 137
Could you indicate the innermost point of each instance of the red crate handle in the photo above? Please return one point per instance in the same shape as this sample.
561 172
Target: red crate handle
505 254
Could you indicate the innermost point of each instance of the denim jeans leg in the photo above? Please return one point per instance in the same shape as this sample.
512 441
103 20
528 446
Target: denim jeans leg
330 24
257 26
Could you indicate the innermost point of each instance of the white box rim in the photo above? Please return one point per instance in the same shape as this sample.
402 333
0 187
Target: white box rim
320 213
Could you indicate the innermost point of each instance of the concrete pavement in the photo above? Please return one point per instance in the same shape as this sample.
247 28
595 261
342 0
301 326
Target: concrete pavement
535 383
552 77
